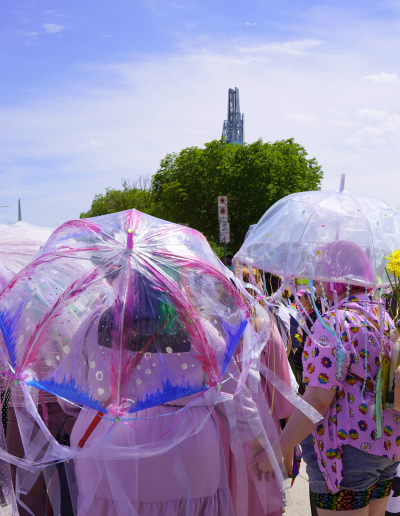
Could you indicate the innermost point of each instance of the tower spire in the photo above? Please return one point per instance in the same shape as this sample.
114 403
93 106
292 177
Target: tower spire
233 128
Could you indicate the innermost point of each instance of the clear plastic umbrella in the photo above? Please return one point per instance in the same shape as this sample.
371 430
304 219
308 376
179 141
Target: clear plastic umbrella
154 294
18 244
291 238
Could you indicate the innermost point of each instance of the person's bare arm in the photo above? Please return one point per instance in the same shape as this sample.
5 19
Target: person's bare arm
397 388
298 428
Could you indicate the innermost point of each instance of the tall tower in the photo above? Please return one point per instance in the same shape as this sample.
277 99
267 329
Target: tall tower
233 128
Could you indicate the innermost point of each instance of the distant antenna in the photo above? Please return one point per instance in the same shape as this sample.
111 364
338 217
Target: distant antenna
233 128
19 210
342 179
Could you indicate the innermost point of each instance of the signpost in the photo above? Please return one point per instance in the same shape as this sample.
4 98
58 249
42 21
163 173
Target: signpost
224 230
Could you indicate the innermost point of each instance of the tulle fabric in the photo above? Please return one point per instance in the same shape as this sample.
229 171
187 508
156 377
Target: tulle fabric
177 439
267 398
189 479
8 504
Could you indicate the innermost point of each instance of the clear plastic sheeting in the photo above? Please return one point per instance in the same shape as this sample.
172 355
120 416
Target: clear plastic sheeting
135 320
8 505
289 239
176 446
18 244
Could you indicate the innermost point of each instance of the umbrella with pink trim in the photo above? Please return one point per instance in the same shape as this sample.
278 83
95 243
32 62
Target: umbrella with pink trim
125 311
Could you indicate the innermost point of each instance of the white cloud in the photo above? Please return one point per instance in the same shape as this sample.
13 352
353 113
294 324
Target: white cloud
52 28
54 13
383 78
300 118
96 144
374 114
290 48
382 130
60 153
30 37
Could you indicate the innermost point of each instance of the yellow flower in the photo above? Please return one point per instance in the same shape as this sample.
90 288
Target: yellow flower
393 264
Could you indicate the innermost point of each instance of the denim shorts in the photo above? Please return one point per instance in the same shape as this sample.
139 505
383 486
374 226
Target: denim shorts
361 470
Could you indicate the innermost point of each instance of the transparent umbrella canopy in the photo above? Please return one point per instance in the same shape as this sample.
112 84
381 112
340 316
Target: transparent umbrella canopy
18 244
290 238
124 308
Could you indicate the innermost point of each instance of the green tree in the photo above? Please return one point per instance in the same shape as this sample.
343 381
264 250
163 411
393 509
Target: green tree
137 195
253 177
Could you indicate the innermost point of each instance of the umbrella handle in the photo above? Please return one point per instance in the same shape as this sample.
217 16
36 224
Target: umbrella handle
129 243
98 417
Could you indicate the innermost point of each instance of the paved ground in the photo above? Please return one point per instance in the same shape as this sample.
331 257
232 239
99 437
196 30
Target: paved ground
299 504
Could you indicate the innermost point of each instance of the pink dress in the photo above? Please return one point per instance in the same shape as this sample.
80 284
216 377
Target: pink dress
349 419
173 465
274 357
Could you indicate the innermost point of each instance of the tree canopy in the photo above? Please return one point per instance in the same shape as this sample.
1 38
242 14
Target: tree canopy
137 195
253 177
186 186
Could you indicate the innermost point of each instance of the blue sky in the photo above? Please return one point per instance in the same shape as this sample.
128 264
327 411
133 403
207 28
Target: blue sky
95 92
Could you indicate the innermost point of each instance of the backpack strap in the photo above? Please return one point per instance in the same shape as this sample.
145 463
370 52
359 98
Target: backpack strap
368 384
359 312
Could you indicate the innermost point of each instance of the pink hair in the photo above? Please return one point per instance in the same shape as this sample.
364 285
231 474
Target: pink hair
344 259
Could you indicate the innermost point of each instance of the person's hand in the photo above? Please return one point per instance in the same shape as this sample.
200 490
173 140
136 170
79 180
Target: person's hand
318 289
288 461
261 466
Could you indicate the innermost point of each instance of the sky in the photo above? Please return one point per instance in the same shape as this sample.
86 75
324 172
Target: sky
95 92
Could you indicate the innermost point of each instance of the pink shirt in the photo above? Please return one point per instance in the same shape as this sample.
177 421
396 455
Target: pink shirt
349 419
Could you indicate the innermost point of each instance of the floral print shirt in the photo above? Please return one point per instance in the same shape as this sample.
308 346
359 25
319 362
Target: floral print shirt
349 419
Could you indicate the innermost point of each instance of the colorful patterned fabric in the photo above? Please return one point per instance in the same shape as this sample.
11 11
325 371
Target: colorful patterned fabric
349 419
347 500
298 355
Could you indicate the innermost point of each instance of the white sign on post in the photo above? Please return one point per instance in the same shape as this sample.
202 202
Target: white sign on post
224 233
223 208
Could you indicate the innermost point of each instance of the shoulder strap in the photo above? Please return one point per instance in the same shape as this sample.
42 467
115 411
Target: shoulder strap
359 312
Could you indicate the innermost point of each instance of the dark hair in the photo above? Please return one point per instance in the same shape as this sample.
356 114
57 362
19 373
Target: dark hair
150 321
